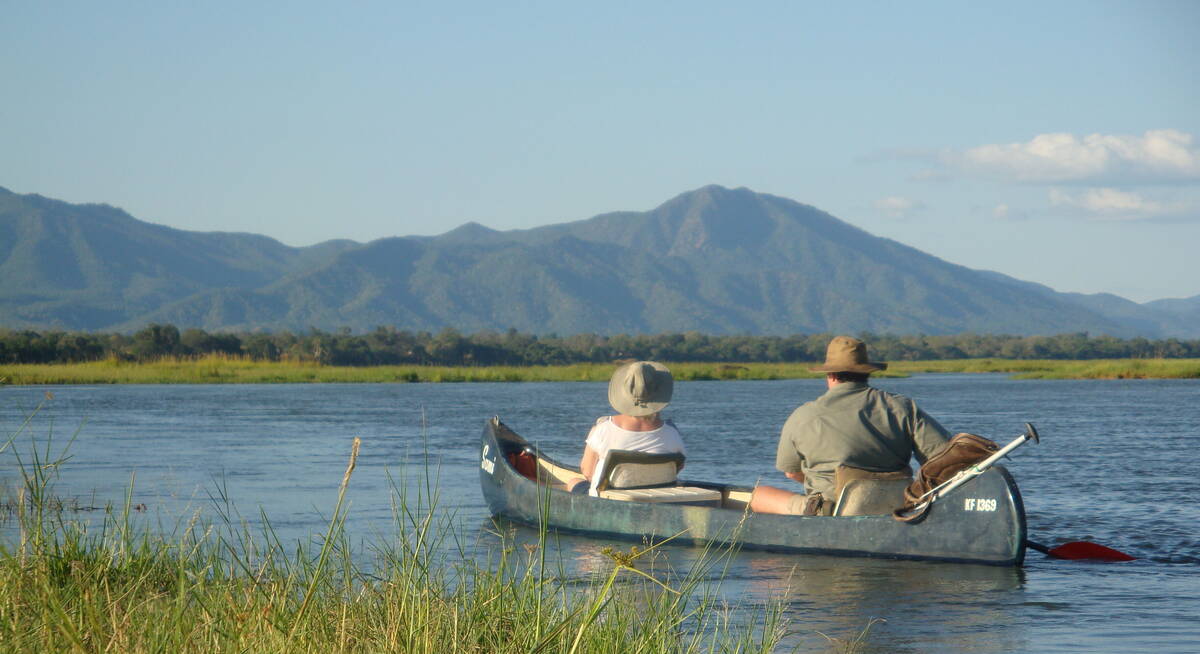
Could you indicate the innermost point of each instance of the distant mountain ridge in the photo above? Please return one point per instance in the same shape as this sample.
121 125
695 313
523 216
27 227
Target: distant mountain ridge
713 260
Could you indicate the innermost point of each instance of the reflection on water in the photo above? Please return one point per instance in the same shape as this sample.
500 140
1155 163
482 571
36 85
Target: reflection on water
1105 471
938 607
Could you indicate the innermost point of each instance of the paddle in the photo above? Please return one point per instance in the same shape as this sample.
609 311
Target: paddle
1081 550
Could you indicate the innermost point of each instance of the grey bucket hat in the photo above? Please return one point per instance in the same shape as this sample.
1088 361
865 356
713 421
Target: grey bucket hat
640 388
846 354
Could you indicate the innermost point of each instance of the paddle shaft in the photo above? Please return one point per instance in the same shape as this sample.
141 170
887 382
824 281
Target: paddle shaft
1038 546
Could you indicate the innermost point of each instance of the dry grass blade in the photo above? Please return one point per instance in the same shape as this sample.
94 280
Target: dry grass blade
334 522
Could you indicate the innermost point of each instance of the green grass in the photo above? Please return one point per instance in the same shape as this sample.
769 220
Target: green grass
217 369
66 587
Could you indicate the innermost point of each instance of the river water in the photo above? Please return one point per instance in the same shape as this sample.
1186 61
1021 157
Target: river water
1117 465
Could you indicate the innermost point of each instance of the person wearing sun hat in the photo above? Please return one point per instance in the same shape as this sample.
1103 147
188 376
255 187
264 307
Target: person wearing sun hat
852 424
638 391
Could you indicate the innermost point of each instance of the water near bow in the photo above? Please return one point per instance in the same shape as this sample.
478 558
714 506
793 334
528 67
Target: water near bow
1117 465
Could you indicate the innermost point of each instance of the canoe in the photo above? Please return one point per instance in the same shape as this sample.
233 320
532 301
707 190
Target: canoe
983 521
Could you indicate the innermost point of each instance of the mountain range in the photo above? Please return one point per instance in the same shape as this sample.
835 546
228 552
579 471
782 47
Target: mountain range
713 260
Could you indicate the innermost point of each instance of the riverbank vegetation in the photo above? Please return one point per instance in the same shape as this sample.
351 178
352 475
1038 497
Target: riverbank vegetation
161 354
225 369
112 585
391 347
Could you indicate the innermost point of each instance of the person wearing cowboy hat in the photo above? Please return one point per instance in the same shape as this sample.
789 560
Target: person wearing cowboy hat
638 391
852 425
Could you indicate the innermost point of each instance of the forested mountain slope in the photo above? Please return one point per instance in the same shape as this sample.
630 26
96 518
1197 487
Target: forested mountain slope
713 260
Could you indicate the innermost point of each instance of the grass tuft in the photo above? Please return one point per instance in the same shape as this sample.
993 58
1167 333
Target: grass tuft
855 644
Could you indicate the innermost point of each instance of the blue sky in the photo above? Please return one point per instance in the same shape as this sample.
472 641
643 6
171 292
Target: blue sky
1055 142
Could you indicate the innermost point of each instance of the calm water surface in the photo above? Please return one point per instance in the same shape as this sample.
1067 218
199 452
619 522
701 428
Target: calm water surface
1117 465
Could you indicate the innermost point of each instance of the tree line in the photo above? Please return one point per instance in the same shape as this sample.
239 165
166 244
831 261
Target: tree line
449 347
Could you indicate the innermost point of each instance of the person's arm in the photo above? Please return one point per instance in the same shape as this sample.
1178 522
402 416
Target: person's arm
928 435
787 459
587 465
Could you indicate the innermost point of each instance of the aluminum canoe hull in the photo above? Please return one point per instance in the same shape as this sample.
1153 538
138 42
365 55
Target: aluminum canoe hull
983 521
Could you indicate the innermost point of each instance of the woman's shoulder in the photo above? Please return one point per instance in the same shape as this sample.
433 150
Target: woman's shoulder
603 423
602 426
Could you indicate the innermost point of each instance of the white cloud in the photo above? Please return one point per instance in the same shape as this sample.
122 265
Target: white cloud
1158 156
1112 204
1002 211
896 205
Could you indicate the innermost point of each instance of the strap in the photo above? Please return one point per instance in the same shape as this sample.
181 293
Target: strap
911 514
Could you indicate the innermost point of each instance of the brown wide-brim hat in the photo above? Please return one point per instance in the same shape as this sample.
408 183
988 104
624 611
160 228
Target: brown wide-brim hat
846 354
641 388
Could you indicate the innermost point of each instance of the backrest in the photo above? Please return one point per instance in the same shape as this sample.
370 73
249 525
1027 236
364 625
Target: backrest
871 497
868 492
845 474
629 469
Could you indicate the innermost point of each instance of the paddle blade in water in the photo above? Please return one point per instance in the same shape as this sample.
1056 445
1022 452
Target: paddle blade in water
1085 550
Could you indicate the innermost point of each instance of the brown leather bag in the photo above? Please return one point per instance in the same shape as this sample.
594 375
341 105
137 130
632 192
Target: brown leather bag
961 452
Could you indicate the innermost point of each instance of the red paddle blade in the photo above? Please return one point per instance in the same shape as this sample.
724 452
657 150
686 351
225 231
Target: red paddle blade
1084 550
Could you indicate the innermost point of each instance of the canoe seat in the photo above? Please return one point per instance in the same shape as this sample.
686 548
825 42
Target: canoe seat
643 477
630 469
667 494
871 497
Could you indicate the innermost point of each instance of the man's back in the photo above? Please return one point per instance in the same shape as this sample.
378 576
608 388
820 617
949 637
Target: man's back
856 425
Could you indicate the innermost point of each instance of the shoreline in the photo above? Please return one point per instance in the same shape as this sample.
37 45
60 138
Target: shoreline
234 370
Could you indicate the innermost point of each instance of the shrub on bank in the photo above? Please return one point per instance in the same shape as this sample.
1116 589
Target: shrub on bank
389 346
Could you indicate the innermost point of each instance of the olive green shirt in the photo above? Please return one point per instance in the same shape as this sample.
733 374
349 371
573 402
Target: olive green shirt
856 425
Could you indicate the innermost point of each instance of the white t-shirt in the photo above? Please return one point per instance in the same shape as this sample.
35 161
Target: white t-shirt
606 435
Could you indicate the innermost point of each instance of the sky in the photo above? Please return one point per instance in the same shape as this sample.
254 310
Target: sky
1054 142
